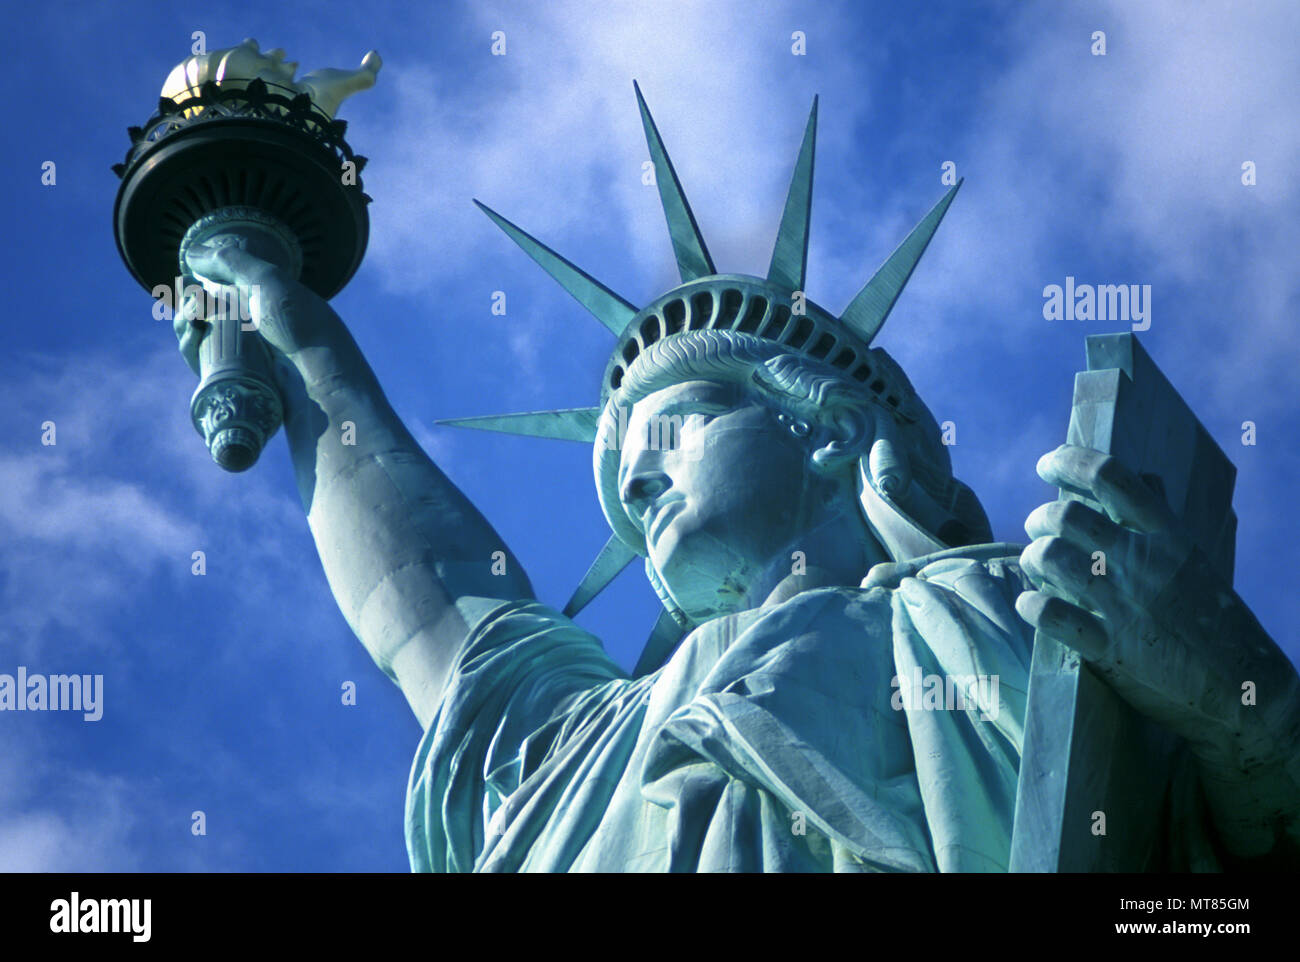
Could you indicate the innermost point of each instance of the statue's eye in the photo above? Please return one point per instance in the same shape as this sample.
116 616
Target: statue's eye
706 410
697 420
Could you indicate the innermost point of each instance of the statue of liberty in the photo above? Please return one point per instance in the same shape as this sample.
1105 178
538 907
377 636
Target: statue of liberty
818 565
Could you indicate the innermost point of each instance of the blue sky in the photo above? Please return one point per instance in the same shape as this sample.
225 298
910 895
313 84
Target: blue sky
222 692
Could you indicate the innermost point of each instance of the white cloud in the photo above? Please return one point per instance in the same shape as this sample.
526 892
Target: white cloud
47 502
553 141
127 492
1135 159
77 822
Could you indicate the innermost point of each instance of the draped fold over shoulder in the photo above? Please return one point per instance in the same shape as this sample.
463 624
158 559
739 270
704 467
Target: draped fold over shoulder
846 729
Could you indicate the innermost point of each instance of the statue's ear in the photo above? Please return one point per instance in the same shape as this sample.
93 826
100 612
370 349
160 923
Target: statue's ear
846 438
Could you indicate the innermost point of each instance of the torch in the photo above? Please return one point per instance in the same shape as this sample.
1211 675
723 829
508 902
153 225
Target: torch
240 149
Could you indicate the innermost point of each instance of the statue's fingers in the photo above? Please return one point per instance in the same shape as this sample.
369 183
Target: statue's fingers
1106 480
1075 522
1069 624
209 262
189 344
1160 681
223 261
179 325
1084 633
1074 575
189 332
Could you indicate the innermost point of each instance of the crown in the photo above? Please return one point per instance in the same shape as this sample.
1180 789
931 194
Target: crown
772 308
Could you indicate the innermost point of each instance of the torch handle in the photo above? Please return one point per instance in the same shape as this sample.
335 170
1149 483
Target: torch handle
236 406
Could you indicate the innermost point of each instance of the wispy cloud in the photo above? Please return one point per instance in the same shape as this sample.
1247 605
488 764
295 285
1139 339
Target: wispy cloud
125 493
1133 161
552 139
56 819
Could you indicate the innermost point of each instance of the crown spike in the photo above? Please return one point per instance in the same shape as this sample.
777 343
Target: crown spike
568 424
693 258
613 558
790 256
866 314
607 307
663 639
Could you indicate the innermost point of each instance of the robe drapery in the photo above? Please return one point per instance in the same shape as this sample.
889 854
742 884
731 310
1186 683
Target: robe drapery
775 739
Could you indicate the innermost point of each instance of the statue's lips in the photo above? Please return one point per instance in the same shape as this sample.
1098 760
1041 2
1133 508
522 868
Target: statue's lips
662 514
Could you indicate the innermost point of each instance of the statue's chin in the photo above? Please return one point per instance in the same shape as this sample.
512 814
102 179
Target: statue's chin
704 578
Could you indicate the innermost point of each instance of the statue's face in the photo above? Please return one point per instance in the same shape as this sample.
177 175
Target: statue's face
721 489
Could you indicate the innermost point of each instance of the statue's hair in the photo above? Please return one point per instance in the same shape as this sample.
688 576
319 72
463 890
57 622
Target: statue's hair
800 384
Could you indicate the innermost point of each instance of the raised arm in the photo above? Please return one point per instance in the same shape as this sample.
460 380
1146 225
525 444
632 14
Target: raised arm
410 560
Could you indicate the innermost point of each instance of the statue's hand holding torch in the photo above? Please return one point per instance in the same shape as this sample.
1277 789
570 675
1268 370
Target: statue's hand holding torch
284 315
243 179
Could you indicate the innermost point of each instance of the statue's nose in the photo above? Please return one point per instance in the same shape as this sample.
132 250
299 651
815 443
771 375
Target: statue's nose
643 486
